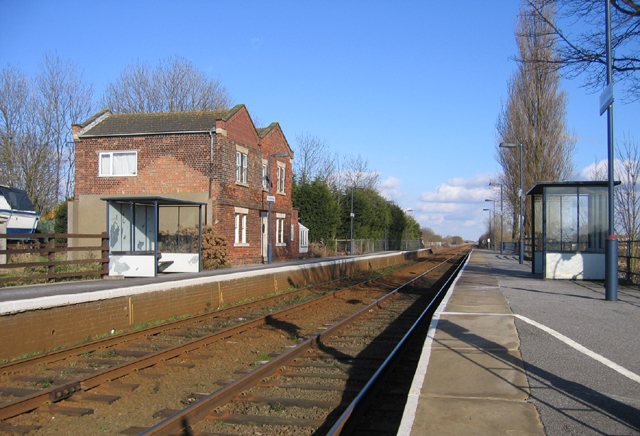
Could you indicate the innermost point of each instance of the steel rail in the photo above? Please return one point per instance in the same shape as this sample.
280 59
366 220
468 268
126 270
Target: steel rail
360 398
181 421
53 356
60 392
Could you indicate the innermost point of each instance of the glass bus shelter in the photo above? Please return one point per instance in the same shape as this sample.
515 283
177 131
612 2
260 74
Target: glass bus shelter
570 223
151 235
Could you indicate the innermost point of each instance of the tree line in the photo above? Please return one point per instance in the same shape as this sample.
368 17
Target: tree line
37 151
328 186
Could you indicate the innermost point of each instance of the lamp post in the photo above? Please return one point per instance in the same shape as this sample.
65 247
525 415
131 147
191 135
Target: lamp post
352 216
611 245
520 194
489 210
406 230
501 216
495 238
270 245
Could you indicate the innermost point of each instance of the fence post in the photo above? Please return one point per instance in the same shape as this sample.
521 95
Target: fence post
51 254
105 254
628 261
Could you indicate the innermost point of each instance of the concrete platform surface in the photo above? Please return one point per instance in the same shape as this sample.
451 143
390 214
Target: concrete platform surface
511 354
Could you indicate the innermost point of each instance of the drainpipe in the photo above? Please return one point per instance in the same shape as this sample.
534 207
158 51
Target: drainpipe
211 161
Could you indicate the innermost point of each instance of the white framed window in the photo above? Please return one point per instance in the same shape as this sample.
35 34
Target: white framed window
265 176
281 179
280 223
292 233
118 163
241 167
240 228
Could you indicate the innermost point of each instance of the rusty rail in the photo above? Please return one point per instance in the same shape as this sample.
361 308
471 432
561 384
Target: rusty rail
181 422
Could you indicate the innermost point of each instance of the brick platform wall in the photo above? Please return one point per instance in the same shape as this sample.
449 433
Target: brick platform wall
45 329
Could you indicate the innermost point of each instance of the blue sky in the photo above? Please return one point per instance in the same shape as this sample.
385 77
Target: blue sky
414 87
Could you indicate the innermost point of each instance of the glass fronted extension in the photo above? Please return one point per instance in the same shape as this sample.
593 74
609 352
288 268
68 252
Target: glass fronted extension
570 222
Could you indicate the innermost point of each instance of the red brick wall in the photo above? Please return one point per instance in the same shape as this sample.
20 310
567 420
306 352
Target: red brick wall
44 329
166 164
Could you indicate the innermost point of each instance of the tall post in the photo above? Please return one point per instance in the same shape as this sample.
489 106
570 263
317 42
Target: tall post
269 248
501 216
611 247
521 260
490 232
351 244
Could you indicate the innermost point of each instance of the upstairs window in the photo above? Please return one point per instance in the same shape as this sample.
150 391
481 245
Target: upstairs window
281 179
241 167
118 163
264 176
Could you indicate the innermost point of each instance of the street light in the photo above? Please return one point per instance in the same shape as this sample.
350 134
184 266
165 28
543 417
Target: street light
501 215
489 210
406 230
495 242
521 195
270 249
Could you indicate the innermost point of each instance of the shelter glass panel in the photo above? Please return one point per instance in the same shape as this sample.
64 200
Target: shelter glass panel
537 211
562 219
596 199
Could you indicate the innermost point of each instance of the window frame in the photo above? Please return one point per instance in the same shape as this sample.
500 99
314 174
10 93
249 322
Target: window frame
240 229
111 155
281 178
242 159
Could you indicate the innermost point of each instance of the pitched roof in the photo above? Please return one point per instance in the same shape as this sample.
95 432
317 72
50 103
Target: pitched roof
263 131
156 123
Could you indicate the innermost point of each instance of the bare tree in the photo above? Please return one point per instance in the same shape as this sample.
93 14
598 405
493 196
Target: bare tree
627 197
63 98
25 158
175 85
312 158
534 115
584 52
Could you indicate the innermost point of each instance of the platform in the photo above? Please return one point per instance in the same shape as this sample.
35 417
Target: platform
511 354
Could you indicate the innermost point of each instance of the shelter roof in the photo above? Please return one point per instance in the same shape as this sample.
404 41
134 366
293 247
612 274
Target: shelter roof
150 201
538 187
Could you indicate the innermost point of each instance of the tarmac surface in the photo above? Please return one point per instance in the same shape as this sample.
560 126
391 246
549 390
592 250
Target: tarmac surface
512 354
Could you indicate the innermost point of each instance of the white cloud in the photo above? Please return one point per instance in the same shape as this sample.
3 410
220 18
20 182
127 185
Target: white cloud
390 189
456 207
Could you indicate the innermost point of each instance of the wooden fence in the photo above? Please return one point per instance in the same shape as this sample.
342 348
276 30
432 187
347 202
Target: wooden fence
44 245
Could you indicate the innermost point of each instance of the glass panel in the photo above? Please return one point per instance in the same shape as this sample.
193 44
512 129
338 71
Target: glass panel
562 219
105 164
597 217
124 164
537 205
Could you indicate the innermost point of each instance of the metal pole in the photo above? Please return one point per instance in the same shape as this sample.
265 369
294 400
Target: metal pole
611 247
501 215
501 218
351 221
269 248
521 260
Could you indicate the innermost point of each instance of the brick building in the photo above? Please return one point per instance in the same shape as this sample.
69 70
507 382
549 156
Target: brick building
213 157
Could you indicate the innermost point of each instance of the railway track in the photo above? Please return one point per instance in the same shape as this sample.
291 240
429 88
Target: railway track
176 368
